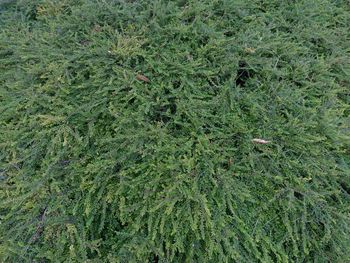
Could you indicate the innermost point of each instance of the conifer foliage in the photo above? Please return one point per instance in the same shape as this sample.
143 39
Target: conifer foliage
174 131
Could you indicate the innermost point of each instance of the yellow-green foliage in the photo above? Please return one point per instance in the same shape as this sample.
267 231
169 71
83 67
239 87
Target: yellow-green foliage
126 131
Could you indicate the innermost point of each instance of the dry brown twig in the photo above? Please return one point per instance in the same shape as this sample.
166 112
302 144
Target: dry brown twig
260 141
142 78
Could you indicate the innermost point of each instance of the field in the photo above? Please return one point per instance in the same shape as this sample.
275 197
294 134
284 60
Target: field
175 131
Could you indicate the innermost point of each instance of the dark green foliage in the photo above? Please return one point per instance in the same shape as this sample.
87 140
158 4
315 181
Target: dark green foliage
98 166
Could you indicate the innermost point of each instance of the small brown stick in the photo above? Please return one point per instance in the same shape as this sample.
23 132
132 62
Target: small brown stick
142 78
260 141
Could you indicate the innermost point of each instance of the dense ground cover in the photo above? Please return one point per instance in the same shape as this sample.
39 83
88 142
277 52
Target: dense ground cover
126 131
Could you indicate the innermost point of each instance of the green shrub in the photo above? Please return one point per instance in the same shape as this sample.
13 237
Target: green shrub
126 131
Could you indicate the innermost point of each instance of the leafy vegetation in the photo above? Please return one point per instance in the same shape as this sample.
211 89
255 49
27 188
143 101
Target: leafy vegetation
126 131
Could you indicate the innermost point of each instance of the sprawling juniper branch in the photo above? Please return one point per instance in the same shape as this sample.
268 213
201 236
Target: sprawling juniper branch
174 131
